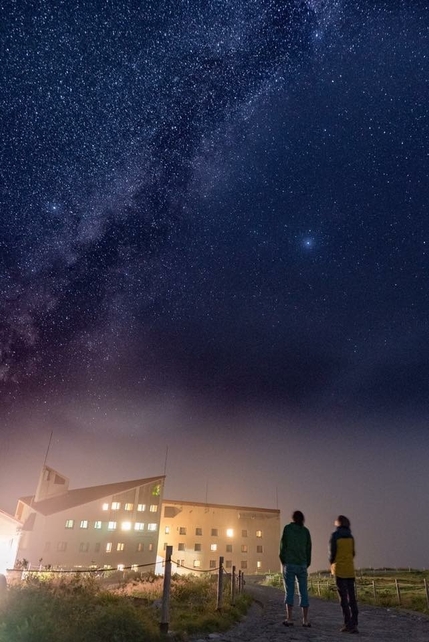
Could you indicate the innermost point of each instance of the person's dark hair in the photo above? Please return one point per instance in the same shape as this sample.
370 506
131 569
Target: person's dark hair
343 521
298 518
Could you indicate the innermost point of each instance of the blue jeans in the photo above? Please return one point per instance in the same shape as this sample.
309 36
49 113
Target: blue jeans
290 572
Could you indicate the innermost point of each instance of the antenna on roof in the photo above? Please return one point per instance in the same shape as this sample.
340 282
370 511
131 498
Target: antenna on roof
165 462
47 450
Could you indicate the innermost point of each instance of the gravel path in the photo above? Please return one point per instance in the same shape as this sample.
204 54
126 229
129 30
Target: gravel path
264 622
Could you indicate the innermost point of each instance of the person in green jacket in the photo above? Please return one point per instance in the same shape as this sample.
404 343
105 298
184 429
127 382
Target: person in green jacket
295 556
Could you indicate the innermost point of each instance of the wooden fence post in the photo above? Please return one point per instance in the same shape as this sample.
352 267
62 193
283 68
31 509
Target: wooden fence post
374 592
220 586
398 592
165 616
233 586
426 591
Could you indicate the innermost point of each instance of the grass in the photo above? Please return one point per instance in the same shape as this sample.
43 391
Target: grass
82 610
375 587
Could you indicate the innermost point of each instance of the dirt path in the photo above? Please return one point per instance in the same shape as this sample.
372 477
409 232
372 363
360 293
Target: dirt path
376 624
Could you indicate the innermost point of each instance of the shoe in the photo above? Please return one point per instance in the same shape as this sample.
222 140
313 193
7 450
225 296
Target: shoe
287 623
349 629
306 625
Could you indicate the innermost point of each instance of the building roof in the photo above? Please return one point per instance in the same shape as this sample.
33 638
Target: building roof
79 496
242 509
5 517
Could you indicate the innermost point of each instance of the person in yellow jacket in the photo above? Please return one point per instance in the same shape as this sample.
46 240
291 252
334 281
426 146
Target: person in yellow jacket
341 558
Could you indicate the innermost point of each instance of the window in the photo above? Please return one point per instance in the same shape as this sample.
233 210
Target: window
258 564
212 564
167 530
156 490
213 547
97 547
150 547
140 547
139 526
197 547
83 547
151 527
129 506
97 525
244 548
120 567
120 546
180 562
198 531
229 532
259 549
229 548
153 508
105 506
116 505
181 547
214 532
47 546
111 526
258 533
228 564
126 526
197 563
134 567
244 533
244 564
141 507
62 546
182 530
109 547
69 523
84 523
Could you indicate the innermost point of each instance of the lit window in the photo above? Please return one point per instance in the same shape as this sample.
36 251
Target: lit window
258 564
105 506
156 490
180 546
120 546
83 547
182 530
212 564
259 549
97 525
244 548
141 507
213 547
139 526
197 547
229 548
228 564
150 547
214 532
84 523
134 567
69 523
121 567
140 547
258 533
244 533
198 531
151 527
62 546
167 530
244 564
111 526
129 506
153 508
126 526
197 563
109 547
116 505
229 532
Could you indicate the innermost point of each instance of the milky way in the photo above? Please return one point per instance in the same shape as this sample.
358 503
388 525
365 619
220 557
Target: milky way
226 198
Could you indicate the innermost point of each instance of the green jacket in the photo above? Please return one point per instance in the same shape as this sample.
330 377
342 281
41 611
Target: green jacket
295 545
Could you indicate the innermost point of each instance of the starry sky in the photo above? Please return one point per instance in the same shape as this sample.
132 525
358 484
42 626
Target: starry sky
214 255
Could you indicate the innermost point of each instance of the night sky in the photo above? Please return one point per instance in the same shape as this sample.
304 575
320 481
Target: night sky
214 256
